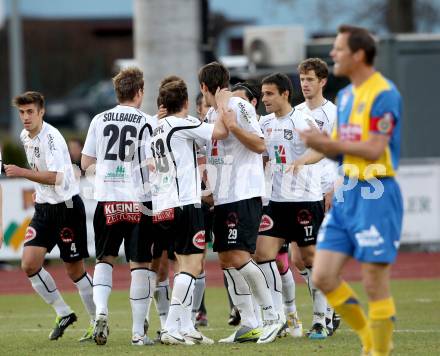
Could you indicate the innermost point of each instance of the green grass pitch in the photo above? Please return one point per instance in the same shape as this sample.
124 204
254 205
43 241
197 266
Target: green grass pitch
25 322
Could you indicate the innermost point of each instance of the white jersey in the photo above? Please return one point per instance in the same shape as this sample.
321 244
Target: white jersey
325 116
234 172
119 139
283 146
176 179
48 152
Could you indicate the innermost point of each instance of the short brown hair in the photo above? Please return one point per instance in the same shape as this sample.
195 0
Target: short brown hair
360 39
169 79
29 97
214 75
127 83
173 95
281 81
317 65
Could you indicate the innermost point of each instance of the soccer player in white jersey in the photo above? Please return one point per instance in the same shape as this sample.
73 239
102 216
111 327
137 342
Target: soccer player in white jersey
113 146
236 177
176 191
295 210
313 74
59 217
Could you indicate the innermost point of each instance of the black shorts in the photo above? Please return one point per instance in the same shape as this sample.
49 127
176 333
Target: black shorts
293 221
208 218
186 231
62 224
163 240
115 222
236 225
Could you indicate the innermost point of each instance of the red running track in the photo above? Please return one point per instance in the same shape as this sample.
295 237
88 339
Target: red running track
408 266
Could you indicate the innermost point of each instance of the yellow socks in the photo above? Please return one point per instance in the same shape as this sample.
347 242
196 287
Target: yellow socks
381 315
345 302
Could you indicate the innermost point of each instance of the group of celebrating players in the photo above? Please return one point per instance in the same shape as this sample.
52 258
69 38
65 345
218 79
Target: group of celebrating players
266 185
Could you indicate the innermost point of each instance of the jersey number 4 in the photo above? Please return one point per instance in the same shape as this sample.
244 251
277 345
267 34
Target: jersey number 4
125 140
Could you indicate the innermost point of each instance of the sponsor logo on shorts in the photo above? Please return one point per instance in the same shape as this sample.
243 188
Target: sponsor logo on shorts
266 223
164 215
67 235
369 238
304 217
232 220
30 234
199 240
125 211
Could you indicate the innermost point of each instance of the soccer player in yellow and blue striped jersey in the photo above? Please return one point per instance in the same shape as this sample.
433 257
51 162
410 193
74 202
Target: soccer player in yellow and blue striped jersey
366 218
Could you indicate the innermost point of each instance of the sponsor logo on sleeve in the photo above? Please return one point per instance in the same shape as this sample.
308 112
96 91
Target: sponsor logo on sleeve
244 114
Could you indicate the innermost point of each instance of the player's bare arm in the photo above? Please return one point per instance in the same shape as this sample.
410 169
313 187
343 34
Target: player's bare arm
310 157
222 97
87 161
43 177
371 149
220 130
250 140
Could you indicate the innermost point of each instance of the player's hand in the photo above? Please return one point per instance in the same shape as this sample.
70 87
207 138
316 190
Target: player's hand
222 97
34 197
229 119
295 167
315 139
162 112
150 164
328 197
13 171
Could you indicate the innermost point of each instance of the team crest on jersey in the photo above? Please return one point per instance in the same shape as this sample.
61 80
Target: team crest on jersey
320 124
266 223
304 217
30 234
288 134
67 235
199 240
280 154
37 152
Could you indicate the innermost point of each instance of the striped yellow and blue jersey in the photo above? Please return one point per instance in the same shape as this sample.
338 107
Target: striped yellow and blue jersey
373 107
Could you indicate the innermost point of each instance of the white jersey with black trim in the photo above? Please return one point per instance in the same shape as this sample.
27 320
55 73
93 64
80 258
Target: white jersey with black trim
234 172
176 179
119 138
283 146
48 152
325 116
